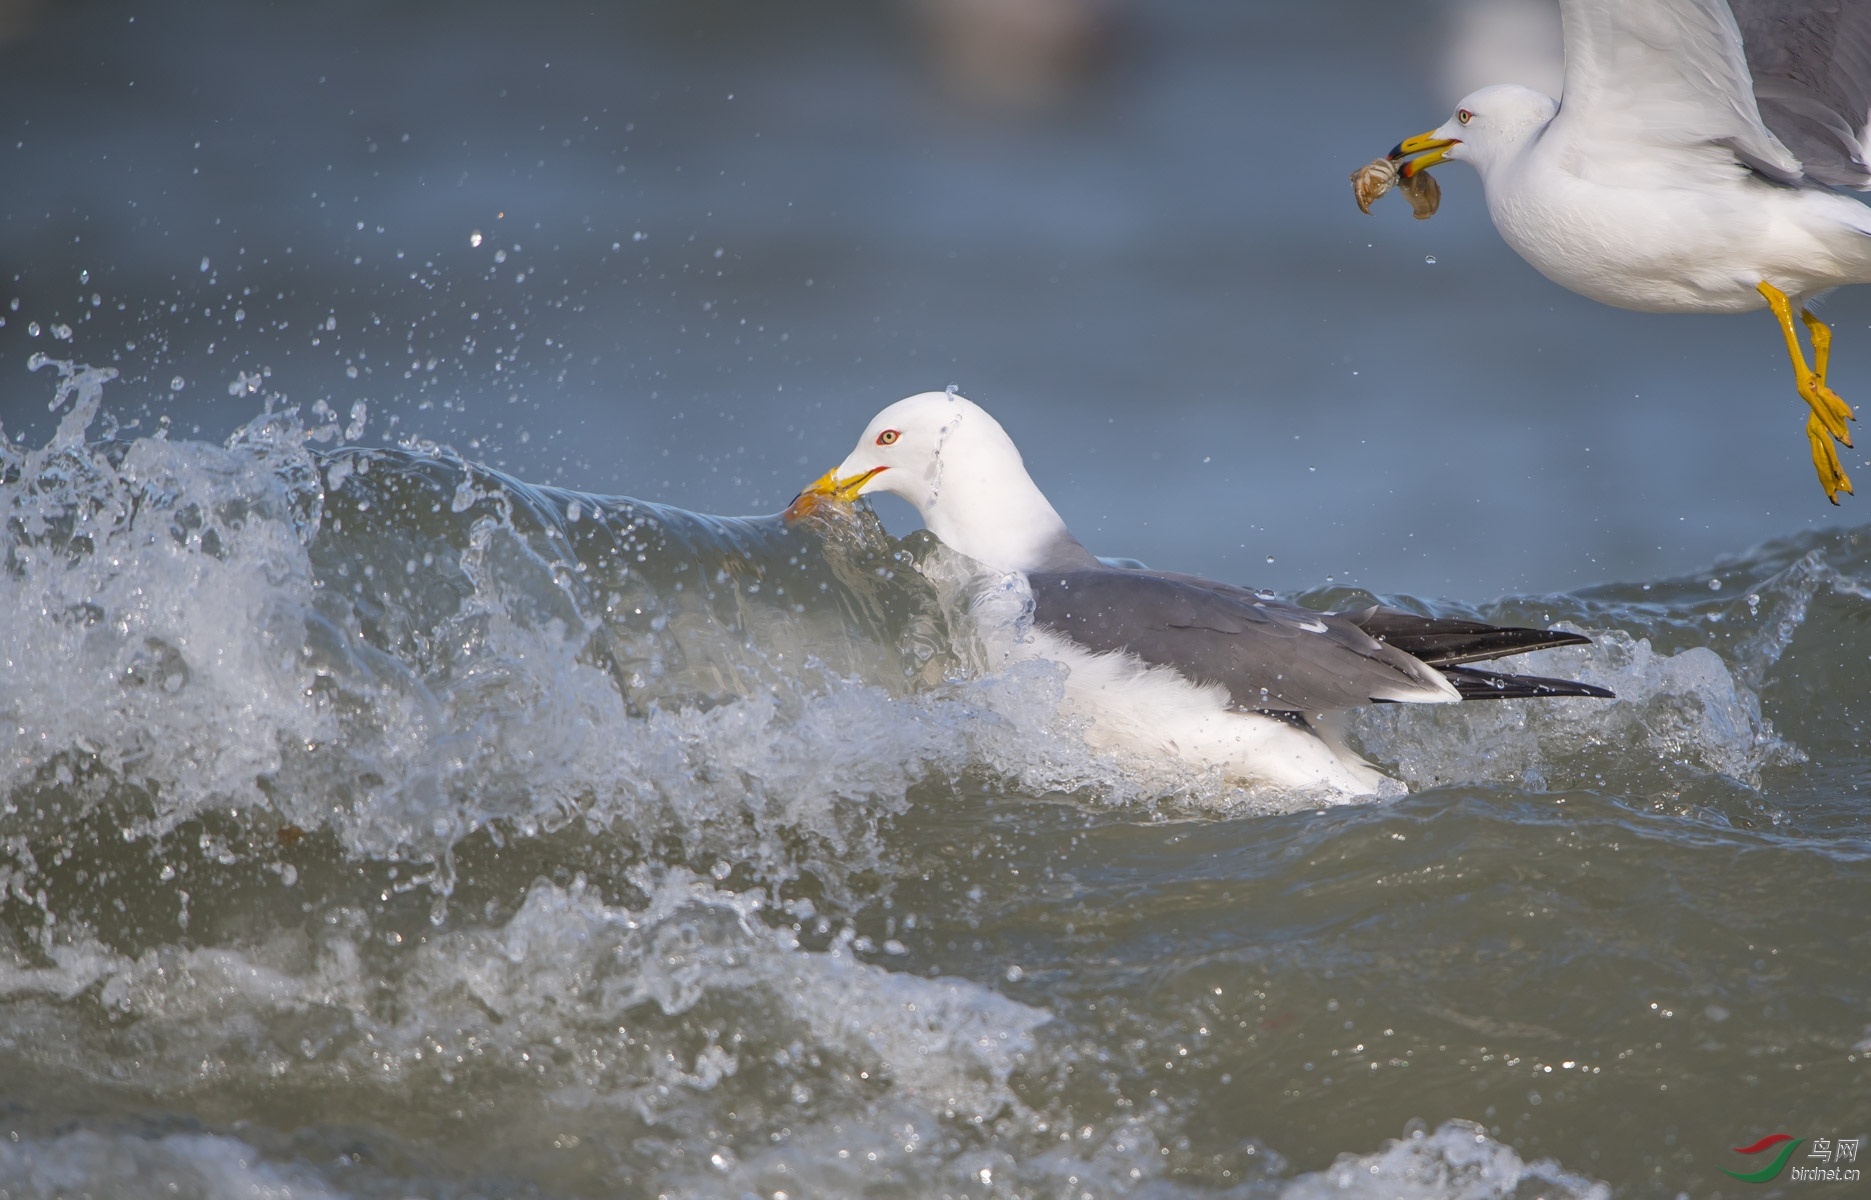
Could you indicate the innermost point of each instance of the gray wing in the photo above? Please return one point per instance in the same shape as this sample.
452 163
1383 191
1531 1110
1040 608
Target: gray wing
1666 78
1268 654
1438 641
1811 62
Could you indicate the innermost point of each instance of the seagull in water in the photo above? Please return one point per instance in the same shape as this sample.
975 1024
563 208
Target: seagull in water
1691 165
1171 664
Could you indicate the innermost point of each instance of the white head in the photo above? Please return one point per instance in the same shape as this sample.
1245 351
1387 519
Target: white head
957 466
1490 126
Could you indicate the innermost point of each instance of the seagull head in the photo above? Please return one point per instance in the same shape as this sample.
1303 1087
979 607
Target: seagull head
955 464
1489 126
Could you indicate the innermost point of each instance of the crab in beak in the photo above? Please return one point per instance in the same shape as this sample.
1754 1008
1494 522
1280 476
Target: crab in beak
827 488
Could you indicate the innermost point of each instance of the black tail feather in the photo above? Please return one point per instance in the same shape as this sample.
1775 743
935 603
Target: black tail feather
1445 642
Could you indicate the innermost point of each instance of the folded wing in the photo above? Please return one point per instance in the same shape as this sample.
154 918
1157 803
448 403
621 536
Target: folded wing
1277 657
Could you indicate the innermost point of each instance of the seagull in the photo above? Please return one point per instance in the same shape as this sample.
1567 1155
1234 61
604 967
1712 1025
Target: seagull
1170 664
1692 164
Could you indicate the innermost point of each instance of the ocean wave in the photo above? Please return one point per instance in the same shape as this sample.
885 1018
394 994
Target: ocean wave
338 782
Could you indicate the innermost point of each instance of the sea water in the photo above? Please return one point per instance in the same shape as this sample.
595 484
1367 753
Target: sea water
373 823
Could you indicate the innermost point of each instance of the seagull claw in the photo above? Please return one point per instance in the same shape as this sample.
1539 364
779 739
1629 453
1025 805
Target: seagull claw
1832 475
1835 412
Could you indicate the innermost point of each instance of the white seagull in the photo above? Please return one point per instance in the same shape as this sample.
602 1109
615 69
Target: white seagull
1691 165
1168 664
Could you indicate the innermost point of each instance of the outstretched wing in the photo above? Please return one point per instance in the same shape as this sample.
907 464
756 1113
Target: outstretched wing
1269 655
1811 62
1662 74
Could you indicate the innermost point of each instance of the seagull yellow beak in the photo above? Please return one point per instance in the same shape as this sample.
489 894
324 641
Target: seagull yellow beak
1432 148
828 487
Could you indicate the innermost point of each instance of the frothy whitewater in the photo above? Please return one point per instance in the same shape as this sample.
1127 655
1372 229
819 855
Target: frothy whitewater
374 824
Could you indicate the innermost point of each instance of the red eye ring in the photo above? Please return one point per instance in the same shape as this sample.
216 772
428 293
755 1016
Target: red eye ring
1464 116
888 437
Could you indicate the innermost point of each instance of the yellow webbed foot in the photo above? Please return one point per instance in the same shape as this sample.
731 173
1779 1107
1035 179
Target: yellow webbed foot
1833 411
1829 411
1832 475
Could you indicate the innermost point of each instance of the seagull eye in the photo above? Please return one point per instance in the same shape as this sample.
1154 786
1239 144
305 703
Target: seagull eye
1464 116
888 437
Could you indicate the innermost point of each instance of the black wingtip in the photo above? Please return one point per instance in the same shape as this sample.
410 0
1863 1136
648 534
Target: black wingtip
1447 642
1493 685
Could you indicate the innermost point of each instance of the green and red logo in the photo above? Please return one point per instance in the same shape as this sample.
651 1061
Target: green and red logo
1787 1143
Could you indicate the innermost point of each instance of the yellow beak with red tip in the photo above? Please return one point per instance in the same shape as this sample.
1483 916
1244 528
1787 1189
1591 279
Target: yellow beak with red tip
1432 148
829 487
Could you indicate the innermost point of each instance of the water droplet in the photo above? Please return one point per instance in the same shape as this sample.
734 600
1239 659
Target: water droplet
32 328
1430 259
84 277
953 389
500 256
1715 585
204 264
474 239
1270 558
62 332
177 384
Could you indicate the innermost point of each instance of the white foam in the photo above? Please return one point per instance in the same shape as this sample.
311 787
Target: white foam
1673 713
1459 1161
578 1011
948 1043
126 1166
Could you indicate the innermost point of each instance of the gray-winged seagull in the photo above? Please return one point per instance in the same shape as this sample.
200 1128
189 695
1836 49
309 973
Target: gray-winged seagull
1690 166
1165 663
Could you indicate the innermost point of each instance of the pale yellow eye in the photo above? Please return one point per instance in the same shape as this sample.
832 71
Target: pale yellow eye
1464 116
888 437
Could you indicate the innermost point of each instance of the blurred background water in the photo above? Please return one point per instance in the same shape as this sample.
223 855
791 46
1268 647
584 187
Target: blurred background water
436 821
714 237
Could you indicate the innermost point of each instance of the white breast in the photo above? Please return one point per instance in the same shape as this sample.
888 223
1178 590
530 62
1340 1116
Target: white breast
1132 705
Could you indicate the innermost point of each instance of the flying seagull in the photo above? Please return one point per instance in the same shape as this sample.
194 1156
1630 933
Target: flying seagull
1692 164
1173 664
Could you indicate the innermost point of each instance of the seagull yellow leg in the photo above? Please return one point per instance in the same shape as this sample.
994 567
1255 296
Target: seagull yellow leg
1826 405
1821 334
1830 413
